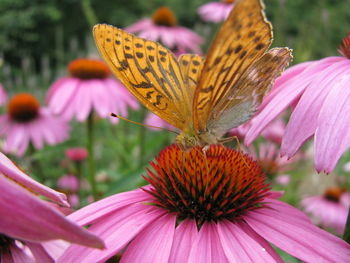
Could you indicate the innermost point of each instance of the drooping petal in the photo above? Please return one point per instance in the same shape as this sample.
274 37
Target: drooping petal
10 170
26 217
207 246
298 237
61 93
306 113
287 89
242 245
117 230
332 137
94 211
82 100
154 243
184 236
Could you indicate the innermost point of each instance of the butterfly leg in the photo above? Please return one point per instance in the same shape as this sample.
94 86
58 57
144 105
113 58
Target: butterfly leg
228 139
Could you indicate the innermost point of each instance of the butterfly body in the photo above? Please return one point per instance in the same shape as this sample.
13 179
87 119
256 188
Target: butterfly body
203 98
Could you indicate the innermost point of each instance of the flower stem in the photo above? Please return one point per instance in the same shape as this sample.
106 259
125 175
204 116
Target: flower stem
78 173
91 160
346 235
36 165
142 137
89 12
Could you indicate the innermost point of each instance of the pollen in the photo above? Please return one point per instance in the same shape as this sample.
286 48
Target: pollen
163 16
334 194
206 185
345 47
23 107
88 69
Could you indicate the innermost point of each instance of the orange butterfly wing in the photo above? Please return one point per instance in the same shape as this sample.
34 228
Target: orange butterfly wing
241 42
149 71
191 67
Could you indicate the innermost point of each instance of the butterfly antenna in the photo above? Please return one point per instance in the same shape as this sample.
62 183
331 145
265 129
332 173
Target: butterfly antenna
141 124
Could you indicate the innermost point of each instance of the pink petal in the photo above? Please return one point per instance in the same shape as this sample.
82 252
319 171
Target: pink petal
282 96
307 111
298 237
117 230
10 170
207 246
83 100
241 244
154 243
39 253
184 236
101 98
25 216
332 137
96 210
16 255
61 93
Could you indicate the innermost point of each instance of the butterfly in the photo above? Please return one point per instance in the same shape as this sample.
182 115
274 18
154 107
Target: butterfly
204 98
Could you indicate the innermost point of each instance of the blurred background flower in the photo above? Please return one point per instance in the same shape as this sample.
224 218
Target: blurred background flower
215 11
90 87
329 210
27 123
3 95
77 154
154 120
162 27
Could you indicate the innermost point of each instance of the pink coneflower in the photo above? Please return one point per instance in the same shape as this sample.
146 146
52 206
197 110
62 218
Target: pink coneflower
272 132
329 210
89 88
215 11
212 207
320 95
163 27
154 120
68 183
27 221
77 154
268 157
3 95
26 122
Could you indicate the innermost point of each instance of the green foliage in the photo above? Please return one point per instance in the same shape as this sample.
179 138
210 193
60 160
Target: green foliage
46 28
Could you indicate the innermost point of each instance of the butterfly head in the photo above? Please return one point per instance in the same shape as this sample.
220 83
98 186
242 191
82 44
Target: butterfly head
187 139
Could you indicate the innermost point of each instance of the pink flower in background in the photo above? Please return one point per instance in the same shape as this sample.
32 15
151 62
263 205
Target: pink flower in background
68 183
272 132
283 179
26 122
27 221
189 215
89 88
154 120
215 11
329 210
163 28
3 95
320 95
273 166
77 154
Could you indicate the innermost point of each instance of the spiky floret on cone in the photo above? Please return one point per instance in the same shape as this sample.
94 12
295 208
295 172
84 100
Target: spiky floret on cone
211 185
